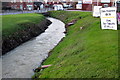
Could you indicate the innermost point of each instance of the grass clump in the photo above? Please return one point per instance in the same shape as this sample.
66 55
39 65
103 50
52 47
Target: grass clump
87 53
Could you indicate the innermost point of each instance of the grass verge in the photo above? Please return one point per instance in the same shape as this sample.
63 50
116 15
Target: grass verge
87 53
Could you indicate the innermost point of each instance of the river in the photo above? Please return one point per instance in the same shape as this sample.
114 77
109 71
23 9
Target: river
20 62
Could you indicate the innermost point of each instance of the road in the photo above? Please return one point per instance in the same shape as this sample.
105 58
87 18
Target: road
36 11
23 12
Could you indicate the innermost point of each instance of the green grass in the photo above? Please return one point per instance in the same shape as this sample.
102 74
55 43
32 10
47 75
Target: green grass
12 23
87 53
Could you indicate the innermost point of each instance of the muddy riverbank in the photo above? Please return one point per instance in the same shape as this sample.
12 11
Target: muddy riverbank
24 35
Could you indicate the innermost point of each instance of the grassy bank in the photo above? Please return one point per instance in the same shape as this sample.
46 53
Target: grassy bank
87 53
15 23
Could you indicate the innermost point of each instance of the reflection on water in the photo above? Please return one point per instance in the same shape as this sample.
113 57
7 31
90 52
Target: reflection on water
20 62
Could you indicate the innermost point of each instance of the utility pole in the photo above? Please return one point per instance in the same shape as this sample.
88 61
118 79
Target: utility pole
116 3
97 2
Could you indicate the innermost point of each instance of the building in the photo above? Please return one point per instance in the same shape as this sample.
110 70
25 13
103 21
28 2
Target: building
6 6
89 4
86 5
20 5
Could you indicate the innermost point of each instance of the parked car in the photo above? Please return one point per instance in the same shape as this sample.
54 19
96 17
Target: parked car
58 7
30 7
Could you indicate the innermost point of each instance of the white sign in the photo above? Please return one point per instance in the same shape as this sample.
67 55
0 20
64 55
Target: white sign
108 18
105 1
78 6
96 11
87 1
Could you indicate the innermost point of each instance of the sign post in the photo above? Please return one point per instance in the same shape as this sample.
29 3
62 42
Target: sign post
118 15
108 18
96 11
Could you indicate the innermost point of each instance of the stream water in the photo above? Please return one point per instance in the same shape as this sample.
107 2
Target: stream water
20 62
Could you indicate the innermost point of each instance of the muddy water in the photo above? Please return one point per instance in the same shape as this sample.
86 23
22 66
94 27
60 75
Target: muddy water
20 62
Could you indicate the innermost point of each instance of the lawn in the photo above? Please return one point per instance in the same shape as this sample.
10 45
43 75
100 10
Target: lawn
12 23
87 53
